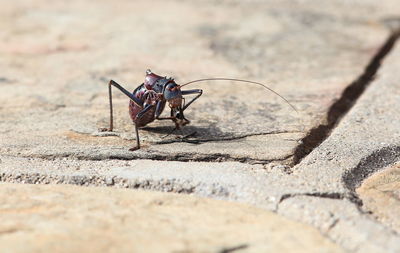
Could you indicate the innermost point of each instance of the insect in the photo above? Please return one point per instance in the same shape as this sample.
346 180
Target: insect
148 100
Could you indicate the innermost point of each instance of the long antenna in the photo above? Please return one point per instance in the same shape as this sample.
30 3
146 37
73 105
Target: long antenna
243 81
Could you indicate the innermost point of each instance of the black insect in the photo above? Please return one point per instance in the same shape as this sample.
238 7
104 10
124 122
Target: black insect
147 101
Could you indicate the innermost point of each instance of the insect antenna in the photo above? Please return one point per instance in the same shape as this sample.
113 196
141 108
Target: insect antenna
243 81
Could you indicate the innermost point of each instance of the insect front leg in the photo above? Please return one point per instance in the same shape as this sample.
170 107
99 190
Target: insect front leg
199 92
123 90
177 113
159 109
180 120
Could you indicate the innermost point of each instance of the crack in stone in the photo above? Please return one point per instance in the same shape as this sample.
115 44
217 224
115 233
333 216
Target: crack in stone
334 223
353 198
167 185
158 156
235 248
348 98
350 196
330 195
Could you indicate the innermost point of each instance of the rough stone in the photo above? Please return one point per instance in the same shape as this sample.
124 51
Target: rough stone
71 219
380 194
57 59
343 221
226 180
366 139
53 98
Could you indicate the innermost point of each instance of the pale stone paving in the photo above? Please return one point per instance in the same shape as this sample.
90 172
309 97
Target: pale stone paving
57 58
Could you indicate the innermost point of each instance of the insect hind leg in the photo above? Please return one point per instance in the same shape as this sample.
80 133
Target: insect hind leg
127 93
137 139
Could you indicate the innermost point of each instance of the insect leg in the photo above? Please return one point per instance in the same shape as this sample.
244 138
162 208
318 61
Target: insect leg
143 111
123 90
188 92
159 109
137 121
137 139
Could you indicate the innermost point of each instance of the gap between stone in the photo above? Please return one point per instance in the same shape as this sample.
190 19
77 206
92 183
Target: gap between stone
347 100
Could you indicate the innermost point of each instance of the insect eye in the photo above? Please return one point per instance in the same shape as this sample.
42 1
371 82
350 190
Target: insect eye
170 87
179 115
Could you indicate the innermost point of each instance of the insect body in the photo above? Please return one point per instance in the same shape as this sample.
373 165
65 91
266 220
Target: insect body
148 101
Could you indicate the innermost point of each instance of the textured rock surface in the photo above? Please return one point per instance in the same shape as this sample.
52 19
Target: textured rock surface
365 141
71 219
58 57
380 194
319 191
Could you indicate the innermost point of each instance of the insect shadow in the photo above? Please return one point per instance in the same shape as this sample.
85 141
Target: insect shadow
200 133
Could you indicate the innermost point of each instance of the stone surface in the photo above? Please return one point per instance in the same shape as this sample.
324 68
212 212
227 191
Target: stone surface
71 219
342 220
380 194
53 98
58 57
365 141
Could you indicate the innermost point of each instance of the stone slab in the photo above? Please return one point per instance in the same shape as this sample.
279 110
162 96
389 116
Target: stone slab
56 59
54 98
71 219
226 180
366 140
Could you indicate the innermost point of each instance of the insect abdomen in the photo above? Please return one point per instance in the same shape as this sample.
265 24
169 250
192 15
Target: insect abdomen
148 117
